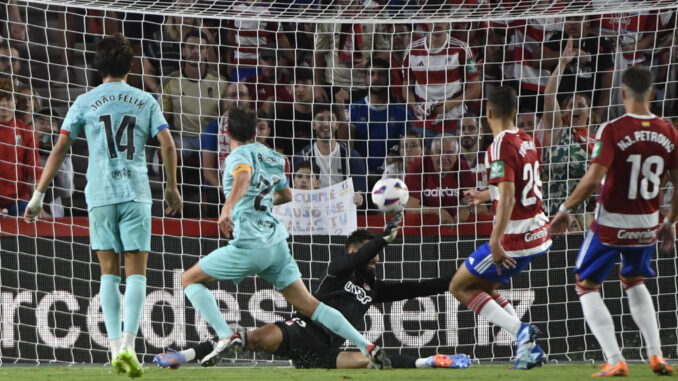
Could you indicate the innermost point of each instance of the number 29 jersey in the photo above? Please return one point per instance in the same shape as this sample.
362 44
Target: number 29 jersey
637 150
254 224
512 157
118 120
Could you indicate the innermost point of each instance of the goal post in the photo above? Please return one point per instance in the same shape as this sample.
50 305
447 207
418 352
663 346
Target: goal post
288 61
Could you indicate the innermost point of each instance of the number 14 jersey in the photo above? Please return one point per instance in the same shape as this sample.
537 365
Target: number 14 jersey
118 120
512 157
637 150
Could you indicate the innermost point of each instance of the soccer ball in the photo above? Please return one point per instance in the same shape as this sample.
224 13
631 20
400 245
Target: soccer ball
390 195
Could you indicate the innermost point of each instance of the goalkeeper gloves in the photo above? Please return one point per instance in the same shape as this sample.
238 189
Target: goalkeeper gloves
392 227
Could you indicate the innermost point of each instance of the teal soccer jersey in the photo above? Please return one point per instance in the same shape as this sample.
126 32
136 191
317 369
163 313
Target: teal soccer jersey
118 120
255 225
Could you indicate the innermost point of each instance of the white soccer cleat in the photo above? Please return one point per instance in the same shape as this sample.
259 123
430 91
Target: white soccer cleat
235 343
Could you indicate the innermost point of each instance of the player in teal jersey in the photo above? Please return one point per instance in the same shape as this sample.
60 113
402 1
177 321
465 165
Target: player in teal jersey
118 121
254 180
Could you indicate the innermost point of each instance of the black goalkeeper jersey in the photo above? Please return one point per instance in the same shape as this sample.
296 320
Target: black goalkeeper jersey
346 288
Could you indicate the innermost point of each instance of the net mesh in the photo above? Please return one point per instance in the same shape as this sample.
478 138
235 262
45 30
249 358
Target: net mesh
394 81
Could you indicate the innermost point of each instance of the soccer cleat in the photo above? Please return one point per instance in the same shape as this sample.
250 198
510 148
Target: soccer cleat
536 357
129 359
619 370
223 347
525 343
118 365
172 360
660 367
460 361
378 357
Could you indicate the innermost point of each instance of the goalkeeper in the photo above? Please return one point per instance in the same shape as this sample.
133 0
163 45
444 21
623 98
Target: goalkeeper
351 287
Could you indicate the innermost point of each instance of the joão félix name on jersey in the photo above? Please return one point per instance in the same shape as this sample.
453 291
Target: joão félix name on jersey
119 98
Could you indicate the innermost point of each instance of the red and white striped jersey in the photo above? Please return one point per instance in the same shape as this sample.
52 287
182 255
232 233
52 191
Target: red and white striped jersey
629 27
512 157
638 150
438 75
251 35
527 38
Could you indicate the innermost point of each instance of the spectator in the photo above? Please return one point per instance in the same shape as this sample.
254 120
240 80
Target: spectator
263 129
409 149
591 73
376 124
26 105
342 50
47 124
527 120
400 42
271 87
435 180
306 176
10 63
191 98
441 75
216 144
19 156
245 37
569 133
293 124
471 150
163 52
337 161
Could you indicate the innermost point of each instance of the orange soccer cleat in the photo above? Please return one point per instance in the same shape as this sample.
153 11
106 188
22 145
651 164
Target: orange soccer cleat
619 370
660 367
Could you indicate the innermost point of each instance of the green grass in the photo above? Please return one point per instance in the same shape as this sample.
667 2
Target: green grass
475 372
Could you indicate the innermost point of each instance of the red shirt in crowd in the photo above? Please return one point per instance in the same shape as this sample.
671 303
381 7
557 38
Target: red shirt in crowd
435 189
637 150
19 161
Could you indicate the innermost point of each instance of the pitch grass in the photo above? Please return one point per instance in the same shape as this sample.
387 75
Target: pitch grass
549 372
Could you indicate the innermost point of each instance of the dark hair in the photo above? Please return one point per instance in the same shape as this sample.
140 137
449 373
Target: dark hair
639 80
379 63
113 56
504 102
6 88
242 125
307 164
322 107
303 74
358 237
194 33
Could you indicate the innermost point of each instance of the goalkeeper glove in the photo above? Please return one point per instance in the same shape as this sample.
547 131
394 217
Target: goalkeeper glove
392 227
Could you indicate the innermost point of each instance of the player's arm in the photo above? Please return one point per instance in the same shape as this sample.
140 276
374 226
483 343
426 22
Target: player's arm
168 151
56 157
667 232
348 263
585 188
282 196
393 291
476 197
507 200
242 176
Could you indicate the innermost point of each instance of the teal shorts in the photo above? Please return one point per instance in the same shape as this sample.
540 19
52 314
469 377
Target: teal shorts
121 227
274 264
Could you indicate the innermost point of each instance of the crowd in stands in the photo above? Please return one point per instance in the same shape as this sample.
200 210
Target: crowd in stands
362 100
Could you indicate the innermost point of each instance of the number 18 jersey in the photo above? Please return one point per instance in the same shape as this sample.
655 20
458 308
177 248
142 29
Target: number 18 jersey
118 120
254 224
637 150
512 157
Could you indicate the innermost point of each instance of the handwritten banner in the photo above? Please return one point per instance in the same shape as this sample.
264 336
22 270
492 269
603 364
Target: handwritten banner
329 211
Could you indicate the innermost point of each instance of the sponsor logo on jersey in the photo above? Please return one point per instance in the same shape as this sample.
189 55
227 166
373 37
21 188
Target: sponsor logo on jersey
358 291
497 169
648 235
437 192
596 149
534 236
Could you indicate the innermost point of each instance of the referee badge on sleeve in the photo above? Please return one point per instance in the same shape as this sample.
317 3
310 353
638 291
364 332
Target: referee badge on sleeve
497 169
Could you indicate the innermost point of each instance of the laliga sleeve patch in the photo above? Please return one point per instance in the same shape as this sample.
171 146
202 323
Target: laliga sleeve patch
471 66
596 149
497 169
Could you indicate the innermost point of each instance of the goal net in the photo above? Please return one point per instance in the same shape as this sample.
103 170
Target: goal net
360 90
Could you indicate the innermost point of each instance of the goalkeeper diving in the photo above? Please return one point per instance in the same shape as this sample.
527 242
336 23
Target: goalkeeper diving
351 287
